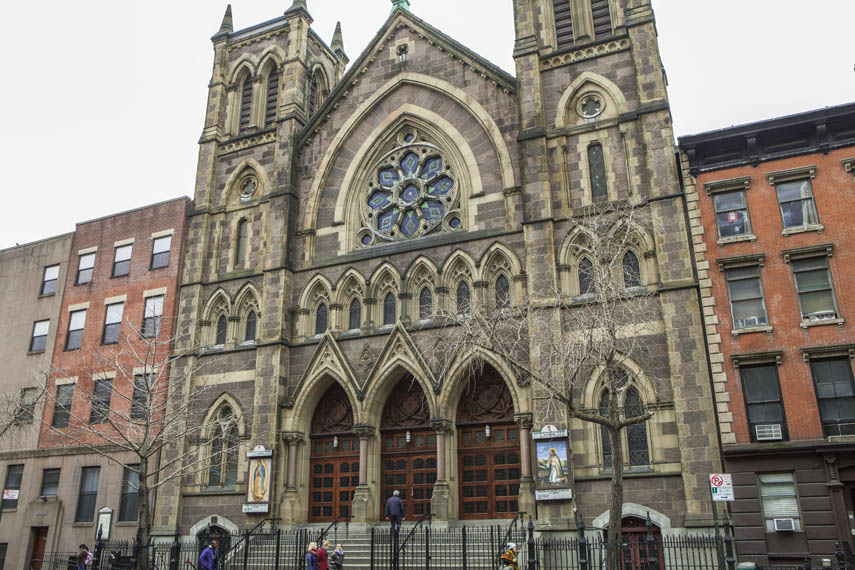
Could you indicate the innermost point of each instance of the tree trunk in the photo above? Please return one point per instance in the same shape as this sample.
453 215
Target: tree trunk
616 507
144 516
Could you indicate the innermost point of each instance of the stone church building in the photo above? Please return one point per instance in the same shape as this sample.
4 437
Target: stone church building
339 205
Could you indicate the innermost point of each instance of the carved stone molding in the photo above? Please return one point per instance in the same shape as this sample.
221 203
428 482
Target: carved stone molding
442 426
525 421
364 431
293 437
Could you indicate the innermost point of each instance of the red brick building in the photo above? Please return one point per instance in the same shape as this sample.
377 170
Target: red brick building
770 204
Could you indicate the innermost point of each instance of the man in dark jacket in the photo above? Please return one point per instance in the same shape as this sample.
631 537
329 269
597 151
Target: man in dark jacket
209 557
395 511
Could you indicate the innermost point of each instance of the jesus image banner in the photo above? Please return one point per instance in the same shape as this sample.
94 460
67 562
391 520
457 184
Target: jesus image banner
258 490
552 468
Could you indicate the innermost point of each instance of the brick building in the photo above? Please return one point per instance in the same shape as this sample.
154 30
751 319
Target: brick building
117 277
318 288
770 205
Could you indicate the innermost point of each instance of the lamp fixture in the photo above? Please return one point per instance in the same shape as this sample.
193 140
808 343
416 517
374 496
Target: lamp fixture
409 436
487 430
335 442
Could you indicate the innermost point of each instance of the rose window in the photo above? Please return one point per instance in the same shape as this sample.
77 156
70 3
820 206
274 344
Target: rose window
413 192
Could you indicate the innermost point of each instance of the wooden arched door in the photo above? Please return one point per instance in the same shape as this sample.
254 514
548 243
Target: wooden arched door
408 466
488 459
334 457
634 547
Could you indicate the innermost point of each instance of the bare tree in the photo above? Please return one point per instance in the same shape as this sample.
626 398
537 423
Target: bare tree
558 340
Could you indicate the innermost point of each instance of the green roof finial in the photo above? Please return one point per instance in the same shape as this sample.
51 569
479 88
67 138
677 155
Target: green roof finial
403 4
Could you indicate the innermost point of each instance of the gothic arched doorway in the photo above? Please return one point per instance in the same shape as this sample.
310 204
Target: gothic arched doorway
408 458
634 547
334 461
214 532
488 449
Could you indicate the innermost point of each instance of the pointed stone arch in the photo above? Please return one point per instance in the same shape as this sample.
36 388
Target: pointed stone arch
236 183
272 55
246 64
641 243
421 273
579 244
247 300
635 510
318 290
218 304
588 82
638 379
498 261
224 399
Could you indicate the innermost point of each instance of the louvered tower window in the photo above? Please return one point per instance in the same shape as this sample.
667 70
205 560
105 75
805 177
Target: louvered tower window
563 23
313 95
272 97
602 18
245 104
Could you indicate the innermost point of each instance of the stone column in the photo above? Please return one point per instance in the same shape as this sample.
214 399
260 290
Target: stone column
526 502
361 506
439 501
291 508
404 309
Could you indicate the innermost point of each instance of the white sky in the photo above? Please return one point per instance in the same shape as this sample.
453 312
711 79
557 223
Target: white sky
102 102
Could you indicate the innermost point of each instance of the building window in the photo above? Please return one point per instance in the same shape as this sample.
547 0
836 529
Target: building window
122 261
604 433
14 476
463 298
355 315
636 434
763 404
425 304
152 314
39 338
49 280
835 393
240 244
813 284
563 23
101 401
224 451
141 397
85 267
251 322
321 319
272 96
503 292
76 322
62 405
746 297
797 206
779 501
160 252
586 277
222 329
245 105
631 270
602 18
731 214
112 323
597 172
24 413
130 500
389 309
314 90
50 482
88 494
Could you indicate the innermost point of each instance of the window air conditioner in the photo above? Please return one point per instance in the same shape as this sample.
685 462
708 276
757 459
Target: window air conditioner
785 525
768 432
750 322
825 315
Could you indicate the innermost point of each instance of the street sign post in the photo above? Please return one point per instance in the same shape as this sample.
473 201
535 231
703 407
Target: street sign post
721 487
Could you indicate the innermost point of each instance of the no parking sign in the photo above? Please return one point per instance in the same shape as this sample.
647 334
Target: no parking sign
721 487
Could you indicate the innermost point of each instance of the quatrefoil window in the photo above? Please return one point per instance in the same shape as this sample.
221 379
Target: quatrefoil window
590 106
413 192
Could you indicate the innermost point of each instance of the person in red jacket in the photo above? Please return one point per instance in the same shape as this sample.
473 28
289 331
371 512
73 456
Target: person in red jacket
323 554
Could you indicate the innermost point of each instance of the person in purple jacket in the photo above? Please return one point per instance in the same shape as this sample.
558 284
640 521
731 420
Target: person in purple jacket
209 557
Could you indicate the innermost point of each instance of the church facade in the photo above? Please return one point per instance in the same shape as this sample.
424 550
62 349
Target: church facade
336 214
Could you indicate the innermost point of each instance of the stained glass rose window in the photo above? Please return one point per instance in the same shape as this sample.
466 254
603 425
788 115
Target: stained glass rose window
412 192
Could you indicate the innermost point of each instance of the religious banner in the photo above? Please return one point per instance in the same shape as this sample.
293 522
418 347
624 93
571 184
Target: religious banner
258 487
553 470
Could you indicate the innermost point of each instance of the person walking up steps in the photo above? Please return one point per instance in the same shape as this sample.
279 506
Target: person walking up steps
395 511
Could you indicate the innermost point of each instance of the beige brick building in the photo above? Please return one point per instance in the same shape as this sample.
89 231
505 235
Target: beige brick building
335 213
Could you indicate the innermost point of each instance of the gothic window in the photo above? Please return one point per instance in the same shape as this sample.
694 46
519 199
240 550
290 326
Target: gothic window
251 319
355 315
602 18
245 104
224 450
413 192
425 304
586 277
563 13
597 172
317 91
463 298
636 434
321 319
503 292
240 243
222 328
272 96
604 433
631 270
389 309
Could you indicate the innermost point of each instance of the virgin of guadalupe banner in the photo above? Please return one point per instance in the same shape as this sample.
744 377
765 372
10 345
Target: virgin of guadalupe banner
258 490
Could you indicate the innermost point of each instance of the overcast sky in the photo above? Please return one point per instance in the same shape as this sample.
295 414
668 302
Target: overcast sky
102 101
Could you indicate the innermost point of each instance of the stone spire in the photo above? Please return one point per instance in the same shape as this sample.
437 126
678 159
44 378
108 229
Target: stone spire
226 27
403 4
337 44
297 4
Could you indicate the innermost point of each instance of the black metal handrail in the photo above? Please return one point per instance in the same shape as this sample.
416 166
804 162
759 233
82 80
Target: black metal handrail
345 518
248 534
426 516
507 539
